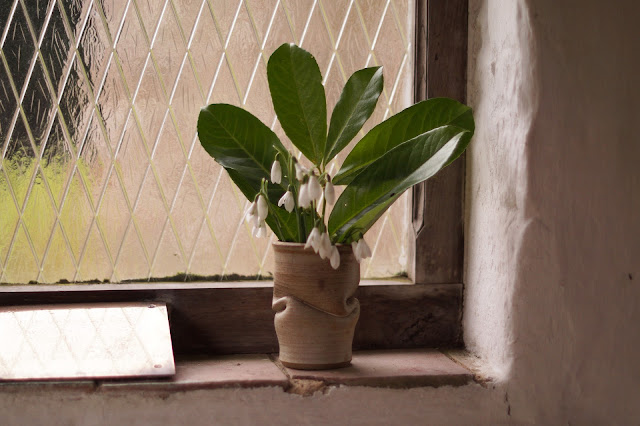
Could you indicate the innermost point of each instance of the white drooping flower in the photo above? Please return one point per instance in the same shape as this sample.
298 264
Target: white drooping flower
304 200
329 193
313 240
334 259
287 200
319 204
314 188
356 252
260 230
301 171
252 215
263 208
325 246
364 249
276 172
361 249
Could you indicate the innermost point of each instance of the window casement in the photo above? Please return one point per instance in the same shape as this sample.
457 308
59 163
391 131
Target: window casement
423 311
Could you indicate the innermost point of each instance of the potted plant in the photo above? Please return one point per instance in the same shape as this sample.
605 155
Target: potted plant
321 235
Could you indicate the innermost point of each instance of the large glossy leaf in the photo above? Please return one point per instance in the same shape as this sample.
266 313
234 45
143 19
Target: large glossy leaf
246 148
366 198
355 106
298 98
405 125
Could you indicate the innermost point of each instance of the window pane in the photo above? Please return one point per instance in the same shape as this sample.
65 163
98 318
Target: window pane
102 176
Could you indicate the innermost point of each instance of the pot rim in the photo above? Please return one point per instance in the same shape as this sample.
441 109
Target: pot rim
291 244
299 247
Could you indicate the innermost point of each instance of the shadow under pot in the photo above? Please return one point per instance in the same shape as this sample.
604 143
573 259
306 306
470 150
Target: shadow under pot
316 311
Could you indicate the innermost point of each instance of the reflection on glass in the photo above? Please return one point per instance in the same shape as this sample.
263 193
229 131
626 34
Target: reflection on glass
102 177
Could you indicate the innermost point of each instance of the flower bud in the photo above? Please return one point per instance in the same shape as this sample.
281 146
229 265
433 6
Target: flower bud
276 172
304 200
329 193
325 246
315 190
363 249
356 252
335 257
263 208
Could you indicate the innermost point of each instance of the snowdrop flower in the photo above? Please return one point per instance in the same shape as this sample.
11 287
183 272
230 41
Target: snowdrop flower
329 192
304 200
356 252
287 200
263 208
334 259
259 231
319 204
314 188
252 214
313 240
276 172
325 246
301 171
361 249
365 251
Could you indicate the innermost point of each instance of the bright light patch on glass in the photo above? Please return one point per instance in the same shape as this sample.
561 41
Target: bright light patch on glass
102 177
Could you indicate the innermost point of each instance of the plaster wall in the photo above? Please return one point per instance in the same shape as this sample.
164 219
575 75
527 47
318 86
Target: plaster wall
553 247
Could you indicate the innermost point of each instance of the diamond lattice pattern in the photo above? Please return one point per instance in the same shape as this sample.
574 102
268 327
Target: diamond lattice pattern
102 176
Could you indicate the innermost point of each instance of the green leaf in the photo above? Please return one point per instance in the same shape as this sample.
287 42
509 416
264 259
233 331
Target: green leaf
298 98
367 197
405 125
246 148
355 106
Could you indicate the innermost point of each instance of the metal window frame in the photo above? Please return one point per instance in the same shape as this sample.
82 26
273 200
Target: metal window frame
222 318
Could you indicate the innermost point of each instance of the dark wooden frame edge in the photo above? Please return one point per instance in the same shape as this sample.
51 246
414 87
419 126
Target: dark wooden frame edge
206 318
437 236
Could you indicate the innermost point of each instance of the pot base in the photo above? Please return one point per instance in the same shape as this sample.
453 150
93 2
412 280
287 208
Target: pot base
297 366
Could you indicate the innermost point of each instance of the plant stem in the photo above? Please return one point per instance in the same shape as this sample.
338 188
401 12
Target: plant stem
272 212
294 190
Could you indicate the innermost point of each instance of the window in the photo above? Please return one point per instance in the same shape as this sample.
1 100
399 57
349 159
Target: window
103 177
122 158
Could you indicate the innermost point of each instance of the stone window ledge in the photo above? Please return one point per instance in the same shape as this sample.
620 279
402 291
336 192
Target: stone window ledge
405 368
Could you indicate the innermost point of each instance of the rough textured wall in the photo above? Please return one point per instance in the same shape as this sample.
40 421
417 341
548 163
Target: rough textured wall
552 296
502 88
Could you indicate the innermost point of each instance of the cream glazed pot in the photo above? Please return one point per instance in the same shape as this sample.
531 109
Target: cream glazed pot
316 311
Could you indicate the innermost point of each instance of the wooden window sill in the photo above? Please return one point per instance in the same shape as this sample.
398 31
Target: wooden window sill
406 368
209 318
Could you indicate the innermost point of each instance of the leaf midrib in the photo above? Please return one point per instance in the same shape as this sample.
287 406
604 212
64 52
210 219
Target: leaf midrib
237 142
363 166
378 200
295 80
333 145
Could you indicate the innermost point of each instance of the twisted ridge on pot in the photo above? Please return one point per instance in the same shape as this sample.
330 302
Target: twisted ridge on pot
316 311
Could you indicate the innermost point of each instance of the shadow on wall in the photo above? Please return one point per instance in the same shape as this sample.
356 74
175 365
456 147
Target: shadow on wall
553 241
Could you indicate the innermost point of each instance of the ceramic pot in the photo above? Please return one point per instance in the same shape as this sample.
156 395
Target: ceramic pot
316 311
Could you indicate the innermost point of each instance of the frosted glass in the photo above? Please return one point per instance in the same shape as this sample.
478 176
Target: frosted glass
102 176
